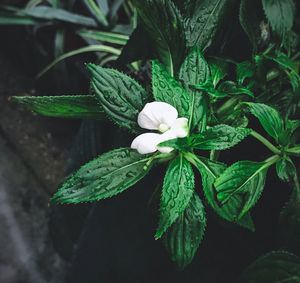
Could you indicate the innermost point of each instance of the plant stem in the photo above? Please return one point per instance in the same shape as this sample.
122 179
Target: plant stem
297 186
296 56
271 160
264 141
214 155
228 105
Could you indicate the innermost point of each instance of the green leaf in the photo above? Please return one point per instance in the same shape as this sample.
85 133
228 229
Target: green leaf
209 171
121 97
67 106
219 137
8 19
96 10
231 88
86 49
294 150
275 267
291 126
208 87
250 20
244 177
219 69
167 89
286 169
178 189
288 66
185 235
49 13
109 174
269 118
280 14
164 24
103 36
195 70
206 17
244 70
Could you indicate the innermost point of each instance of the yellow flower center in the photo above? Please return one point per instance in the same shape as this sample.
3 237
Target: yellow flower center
163 127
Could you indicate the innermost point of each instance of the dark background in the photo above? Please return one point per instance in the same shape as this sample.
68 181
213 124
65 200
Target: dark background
109 241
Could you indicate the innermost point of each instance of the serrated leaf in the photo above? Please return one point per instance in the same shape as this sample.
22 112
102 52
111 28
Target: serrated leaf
204 20
286 169
280 14
121 97
195 70
209 171
178 189
219 137
67 106
244 70
166 89
244 177
269 118
164 24
275 267
185 235
107 175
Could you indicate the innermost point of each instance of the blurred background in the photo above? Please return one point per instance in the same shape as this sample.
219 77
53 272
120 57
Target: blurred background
110 241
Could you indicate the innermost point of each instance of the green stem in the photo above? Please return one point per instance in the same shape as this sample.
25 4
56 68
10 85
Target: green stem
227 106
214 155
296 56
293 150
163 157
191 114
264 141
273 74
271 160
297 186
90 48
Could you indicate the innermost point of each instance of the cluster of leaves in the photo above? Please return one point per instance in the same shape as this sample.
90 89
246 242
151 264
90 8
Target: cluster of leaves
218 96
98 27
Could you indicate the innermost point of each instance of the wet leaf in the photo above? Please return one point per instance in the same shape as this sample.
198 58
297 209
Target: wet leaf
121 97
178 189
185 235
107 175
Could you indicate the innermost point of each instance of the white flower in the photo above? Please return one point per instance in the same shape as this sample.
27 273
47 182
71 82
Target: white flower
162 117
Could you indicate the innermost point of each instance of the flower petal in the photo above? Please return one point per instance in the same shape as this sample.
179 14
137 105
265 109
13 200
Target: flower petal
180 127
168 135
146 143
156 113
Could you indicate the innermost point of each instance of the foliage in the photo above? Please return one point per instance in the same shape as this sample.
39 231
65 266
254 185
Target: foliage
218 96
96 26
